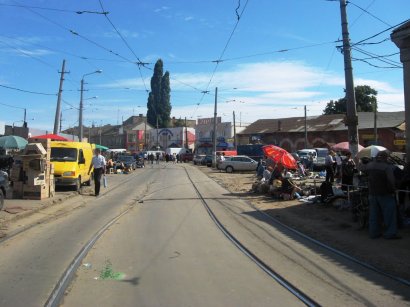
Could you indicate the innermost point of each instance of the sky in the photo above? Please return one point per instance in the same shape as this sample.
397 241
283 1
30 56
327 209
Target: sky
268 59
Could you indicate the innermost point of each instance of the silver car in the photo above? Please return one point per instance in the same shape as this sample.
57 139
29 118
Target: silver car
237 163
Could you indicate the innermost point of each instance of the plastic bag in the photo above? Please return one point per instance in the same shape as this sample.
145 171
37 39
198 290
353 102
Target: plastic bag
105 181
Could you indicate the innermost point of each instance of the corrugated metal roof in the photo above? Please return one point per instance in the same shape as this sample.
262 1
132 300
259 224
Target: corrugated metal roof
334 122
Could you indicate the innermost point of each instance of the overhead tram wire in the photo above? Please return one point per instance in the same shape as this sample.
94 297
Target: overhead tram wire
379 33
139 63
26 91
379 58
239 16
61 51
367 12
82 36
52 9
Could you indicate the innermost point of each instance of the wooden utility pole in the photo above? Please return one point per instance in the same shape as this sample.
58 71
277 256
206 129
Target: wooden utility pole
306 138
234 131
60 91
351 114
186 135
214 135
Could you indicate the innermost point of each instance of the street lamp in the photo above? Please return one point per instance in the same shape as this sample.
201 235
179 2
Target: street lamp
80 119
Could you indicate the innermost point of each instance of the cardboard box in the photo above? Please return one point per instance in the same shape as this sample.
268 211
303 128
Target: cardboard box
35 178
34 148
16 173
18 189
36 192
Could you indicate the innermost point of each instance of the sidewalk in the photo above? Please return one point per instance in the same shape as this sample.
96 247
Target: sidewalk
15 209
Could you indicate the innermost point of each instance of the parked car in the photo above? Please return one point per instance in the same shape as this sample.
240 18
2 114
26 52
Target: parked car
186 156
207 160
197 159
4 187
128 162
237 163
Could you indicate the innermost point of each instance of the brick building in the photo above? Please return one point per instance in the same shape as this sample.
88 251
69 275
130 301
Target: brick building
326 130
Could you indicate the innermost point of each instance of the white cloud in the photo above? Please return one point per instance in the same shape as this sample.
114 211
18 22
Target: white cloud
161 9
268 90
189 18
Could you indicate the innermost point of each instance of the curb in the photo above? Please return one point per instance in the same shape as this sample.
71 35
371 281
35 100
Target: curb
49 203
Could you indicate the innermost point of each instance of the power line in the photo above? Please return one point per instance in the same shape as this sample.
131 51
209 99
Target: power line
53 9
222 53
383 59
139 63
26 91
11 106
28 54
367 12
381 32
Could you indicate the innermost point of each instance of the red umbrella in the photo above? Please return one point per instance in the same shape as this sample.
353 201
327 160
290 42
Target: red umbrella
280 156
53 137
344 146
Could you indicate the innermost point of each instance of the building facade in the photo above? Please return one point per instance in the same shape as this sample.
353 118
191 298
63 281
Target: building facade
326 130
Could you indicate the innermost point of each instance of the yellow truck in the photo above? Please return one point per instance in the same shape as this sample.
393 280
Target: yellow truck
71 163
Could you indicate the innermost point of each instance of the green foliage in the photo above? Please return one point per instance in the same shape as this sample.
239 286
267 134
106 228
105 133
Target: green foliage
179 123
159 99
366 98
108 273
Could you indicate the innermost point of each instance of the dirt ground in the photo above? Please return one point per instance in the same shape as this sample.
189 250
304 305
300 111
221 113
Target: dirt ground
326 223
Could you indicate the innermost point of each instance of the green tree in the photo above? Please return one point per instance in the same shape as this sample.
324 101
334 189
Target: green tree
366 98
159 104
179 122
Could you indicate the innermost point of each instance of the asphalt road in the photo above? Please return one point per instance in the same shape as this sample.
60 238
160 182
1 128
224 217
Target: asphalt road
166 251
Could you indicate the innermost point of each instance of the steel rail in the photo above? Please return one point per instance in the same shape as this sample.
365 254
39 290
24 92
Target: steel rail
57 294
267 269
331 249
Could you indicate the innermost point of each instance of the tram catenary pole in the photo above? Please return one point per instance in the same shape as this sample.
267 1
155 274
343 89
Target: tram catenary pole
351 114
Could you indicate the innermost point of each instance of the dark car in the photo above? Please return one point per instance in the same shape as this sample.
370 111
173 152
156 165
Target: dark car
197 159
207 160
186 157
128 162
4 187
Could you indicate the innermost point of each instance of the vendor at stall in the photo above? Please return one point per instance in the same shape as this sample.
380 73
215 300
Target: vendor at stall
289 188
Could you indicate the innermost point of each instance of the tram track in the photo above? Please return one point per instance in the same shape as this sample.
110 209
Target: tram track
64 282
261 264
54 216
275 222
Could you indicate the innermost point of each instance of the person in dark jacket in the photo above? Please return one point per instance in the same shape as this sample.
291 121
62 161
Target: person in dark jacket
382 201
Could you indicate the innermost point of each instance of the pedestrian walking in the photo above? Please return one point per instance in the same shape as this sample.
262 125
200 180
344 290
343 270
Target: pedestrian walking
330 167
98 163
382 201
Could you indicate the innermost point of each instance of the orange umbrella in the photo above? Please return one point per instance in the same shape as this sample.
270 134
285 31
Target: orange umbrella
280 156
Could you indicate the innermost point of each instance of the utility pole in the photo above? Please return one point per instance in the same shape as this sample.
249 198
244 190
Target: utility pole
60 91
375 123
306 138
25 118
186 135
351 114
234 130
145 134
61 121
80 116
214 136
157 135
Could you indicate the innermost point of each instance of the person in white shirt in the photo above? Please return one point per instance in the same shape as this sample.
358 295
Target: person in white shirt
98 163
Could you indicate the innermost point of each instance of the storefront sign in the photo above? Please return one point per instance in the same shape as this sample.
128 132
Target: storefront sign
207 121
399 142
